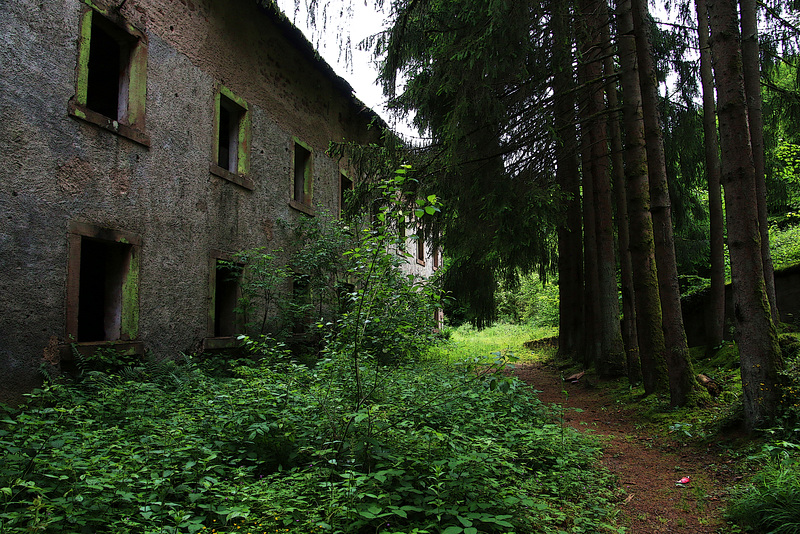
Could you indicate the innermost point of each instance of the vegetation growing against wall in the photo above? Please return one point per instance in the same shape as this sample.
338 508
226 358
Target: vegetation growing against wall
170 448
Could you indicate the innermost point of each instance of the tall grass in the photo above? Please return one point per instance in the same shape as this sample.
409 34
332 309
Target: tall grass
772 503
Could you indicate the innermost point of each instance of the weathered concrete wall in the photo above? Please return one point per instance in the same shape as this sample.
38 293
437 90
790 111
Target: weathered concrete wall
695 309
58 170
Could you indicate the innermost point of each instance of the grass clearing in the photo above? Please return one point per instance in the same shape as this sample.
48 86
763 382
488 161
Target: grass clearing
469 342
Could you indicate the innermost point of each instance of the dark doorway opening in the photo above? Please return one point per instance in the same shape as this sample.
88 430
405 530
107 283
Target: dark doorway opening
103 269
226 299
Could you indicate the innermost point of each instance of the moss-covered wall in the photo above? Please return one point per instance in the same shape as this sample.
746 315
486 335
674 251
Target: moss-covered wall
695 307
59 169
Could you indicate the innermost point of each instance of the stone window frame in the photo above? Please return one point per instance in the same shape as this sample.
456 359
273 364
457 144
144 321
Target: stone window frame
128 342
212 342
225 98
133 84
305 204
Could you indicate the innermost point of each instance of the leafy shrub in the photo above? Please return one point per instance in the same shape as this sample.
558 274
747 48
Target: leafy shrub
534 302
691 285
347 281
785 244
436 447
787 176
285 292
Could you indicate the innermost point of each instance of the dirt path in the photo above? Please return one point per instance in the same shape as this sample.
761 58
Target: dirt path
647 467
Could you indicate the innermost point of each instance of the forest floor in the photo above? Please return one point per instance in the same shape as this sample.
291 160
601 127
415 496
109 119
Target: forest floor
648 463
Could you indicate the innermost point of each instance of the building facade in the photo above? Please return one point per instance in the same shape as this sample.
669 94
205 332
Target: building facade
144 142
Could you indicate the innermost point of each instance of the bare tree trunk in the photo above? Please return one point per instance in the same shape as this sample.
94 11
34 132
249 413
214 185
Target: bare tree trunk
610 360
715 319
681 374
591 310
752 87
609 352
648 305
629 338
570 245
591 307
759 353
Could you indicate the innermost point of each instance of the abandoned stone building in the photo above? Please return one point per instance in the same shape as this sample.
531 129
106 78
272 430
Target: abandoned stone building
143 142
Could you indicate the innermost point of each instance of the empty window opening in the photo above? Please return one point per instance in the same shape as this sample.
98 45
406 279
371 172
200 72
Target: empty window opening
226 298
420 249
302 305
345 185
402 236
344 296
230 116
104 267
302 174
375 210
109 59
301 289
438 317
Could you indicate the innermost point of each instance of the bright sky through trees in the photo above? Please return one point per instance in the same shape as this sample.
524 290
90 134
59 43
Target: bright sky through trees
330 36
336 38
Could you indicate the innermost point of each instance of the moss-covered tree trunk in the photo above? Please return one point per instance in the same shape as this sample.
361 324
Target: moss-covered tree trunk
642 247
570 246
610 359
715 315
759 353
752 86
591 309
681 374
629 337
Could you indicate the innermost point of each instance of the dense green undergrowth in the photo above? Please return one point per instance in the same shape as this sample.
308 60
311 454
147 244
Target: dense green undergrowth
280 447
770 500
372 432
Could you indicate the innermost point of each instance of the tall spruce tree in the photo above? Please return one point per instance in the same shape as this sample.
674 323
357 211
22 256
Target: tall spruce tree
681 373
755 334
652 347
477 78
628 299
571 332
715 315
609 357
751 69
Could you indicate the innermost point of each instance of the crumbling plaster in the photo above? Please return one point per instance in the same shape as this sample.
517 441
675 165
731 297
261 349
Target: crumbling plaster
58 169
